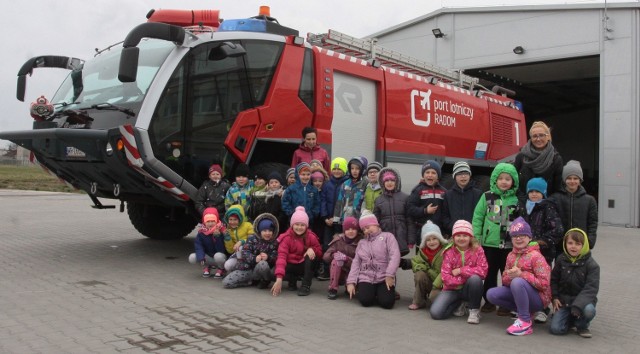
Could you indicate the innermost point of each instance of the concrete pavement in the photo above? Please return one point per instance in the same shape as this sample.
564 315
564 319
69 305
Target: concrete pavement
77 280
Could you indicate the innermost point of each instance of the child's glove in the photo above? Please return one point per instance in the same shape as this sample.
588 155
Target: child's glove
339 256
575 312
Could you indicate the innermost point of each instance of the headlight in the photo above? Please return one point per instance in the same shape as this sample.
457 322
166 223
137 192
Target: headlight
108 149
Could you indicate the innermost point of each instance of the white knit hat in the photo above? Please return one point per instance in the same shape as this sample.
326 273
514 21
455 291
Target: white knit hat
431 229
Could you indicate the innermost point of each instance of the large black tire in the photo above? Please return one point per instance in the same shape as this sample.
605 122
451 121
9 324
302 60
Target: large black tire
268 167
482 182
158 223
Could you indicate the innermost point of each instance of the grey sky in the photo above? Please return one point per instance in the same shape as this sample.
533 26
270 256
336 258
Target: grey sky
76 27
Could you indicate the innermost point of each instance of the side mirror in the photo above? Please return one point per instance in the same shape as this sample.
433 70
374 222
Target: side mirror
128 64
226 50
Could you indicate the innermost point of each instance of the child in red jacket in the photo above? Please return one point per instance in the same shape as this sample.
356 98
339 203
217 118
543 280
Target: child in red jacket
298 253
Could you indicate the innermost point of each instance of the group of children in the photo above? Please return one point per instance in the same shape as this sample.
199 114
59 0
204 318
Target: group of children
353 225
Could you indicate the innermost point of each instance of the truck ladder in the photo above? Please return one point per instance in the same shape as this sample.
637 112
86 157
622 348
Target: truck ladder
368 49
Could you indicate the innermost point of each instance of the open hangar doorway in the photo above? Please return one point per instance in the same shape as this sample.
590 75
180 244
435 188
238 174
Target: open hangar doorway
565 94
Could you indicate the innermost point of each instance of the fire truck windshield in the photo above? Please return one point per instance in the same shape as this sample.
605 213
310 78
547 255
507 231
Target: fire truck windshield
97 82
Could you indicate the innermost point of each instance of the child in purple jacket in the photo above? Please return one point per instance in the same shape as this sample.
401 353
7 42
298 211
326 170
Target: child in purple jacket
373 271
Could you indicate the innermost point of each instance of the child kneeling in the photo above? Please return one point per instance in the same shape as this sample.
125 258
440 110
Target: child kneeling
464 267
258 256
525 280
340 255
372 276
426 266
575 281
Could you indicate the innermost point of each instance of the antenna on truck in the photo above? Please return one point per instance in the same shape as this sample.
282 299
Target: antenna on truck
368 49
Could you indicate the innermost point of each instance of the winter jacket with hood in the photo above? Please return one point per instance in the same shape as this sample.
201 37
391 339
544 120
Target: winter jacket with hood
459 204
239 195
209 241
575 281
330 193
212 194
578 210
421 196
377 257
534 267
292 249
546 226
267 201
351 193
305 154
420 262
240 233
553 175
297 195
391 211
492 218
471 261
256 245
339 244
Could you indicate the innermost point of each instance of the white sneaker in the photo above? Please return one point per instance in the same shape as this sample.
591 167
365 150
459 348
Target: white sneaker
474 316
540 317
461 310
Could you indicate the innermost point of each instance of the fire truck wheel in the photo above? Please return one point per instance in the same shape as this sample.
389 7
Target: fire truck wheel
158 223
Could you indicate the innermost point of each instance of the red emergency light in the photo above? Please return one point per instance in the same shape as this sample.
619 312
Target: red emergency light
185 18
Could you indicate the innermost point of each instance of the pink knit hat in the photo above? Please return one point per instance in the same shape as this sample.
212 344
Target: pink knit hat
350 223
317 176
367 219
215 168
300 216
387 176
462 227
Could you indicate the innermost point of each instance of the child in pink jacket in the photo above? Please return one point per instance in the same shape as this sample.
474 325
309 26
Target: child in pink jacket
526 286
464 267
373 271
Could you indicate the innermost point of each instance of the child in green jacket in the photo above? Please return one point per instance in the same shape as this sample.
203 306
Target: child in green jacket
492 217
426 266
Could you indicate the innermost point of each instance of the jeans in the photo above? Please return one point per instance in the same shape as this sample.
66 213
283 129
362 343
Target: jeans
562 319
448 300
519 296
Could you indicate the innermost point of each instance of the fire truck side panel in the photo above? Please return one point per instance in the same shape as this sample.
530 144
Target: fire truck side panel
242 134
354 116
507 130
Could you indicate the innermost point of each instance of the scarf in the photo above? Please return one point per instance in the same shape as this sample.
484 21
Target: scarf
530 205
431 254
218 227
271 193
538 161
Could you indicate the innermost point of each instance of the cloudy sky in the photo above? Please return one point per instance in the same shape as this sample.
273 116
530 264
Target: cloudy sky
76 27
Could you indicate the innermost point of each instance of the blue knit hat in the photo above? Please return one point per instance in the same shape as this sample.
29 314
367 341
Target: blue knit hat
431 164
266 224
537 184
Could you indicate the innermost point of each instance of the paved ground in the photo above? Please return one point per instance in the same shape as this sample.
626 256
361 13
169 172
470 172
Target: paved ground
78 280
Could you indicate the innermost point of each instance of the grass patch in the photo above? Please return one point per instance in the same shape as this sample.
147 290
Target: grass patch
31 177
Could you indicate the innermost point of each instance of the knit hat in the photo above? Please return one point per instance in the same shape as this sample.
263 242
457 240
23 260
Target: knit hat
350 223
431 164
210 214
303 166
520 227
375 165
275 175
317 176
388 176
462 227
572 168
215 168
265 224
537 184
242 170
339 162
460 166
300 216
290 172
262 175
315 161
431 229
367 218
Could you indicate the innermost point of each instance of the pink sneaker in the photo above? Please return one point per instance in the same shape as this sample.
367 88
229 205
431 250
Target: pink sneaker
219 274
205 272
520 328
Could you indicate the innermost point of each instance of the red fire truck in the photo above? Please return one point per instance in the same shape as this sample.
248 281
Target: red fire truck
142 121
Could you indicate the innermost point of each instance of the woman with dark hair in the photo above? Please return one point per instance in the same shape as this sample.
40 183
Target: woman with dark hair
538 158
310 150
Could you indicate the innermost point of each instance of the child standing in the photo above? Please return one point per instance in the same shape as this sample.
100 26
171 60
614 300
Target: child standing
577 209
464 266
298 252
351 192
236 235
212 191
318 179
208 242
340 255
492 217
575 281
258 195
291 177
258 256
426 266
460 201
391 210
427 197
240 191
542 216
374 189
525 282
302 193
372 277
